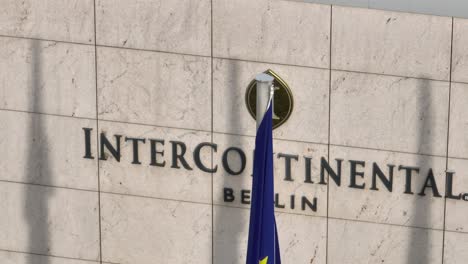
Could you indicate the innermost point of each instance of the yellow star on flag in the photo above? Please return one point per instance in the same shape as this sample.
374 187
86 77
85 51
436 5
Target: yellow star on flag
264 261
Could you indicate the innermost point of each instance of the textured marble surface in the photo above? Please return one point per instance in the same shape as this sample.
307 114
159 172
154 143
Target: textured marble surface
383 206
154 181
50 221
154 88
285 189
69 20
47 77
458 140
309 119
182 26
38 151
455 248
457 210
381 244
399 114
460 50
8 257
376 41
146 230
302 238
272 31
147 88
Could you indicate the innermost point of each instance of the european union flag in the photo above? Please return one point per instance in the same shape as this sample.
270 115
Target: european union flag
263 246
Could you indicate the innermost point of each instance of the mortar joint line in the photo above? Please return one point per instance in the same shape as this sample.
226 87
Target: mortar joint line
97 132
329 127
448 138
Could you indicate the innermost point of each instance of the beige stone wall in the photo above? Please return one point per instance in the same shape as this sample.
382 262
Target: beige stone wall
368 85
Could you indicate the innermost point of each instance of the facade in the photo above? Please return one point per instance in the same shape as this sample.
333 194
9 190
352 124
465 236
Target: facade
126 137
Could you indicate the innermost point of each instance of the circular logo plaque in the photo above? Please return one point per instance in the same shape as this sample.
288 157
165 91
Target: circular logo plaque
282 100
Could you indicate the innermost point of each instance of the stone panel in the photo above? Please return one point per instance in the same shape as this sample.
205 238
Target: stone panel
272 31
49 221
285 186
355 3
356 243
455 248
146 230
48 150
182 26
144 179
69 20
460 50
47 77
154 88
302 238
381 205
309 119
376 41
9 257
458 141
391 113
457 210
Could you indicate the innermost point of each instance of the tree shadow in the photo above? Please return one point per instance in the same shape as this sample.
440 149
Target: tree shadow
420 244
37 169
228 223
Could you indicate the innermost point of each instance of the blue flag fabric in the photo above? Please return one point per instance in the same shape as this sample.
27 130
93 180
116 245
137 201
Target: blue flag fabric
263 246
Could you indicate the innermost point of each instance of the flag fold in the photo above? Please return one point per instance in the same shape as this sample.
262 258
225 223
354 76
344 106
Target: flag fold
263 246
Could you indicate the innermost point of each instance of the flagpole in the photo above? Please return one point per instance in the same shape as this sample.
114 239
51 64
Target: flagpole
265 92
264 84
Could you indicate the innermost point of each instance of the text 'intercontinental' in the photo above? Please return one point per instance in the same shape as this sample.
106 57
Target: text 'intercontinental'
233 161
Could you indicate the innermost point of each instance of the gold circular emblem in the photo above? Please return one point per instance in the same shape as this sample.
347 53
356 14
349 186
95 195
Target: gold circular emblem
282 100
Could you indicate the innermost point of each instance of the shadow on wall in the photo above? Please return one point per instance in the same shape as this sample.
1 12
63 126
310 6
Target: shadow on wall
419 251
229 226
37 168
